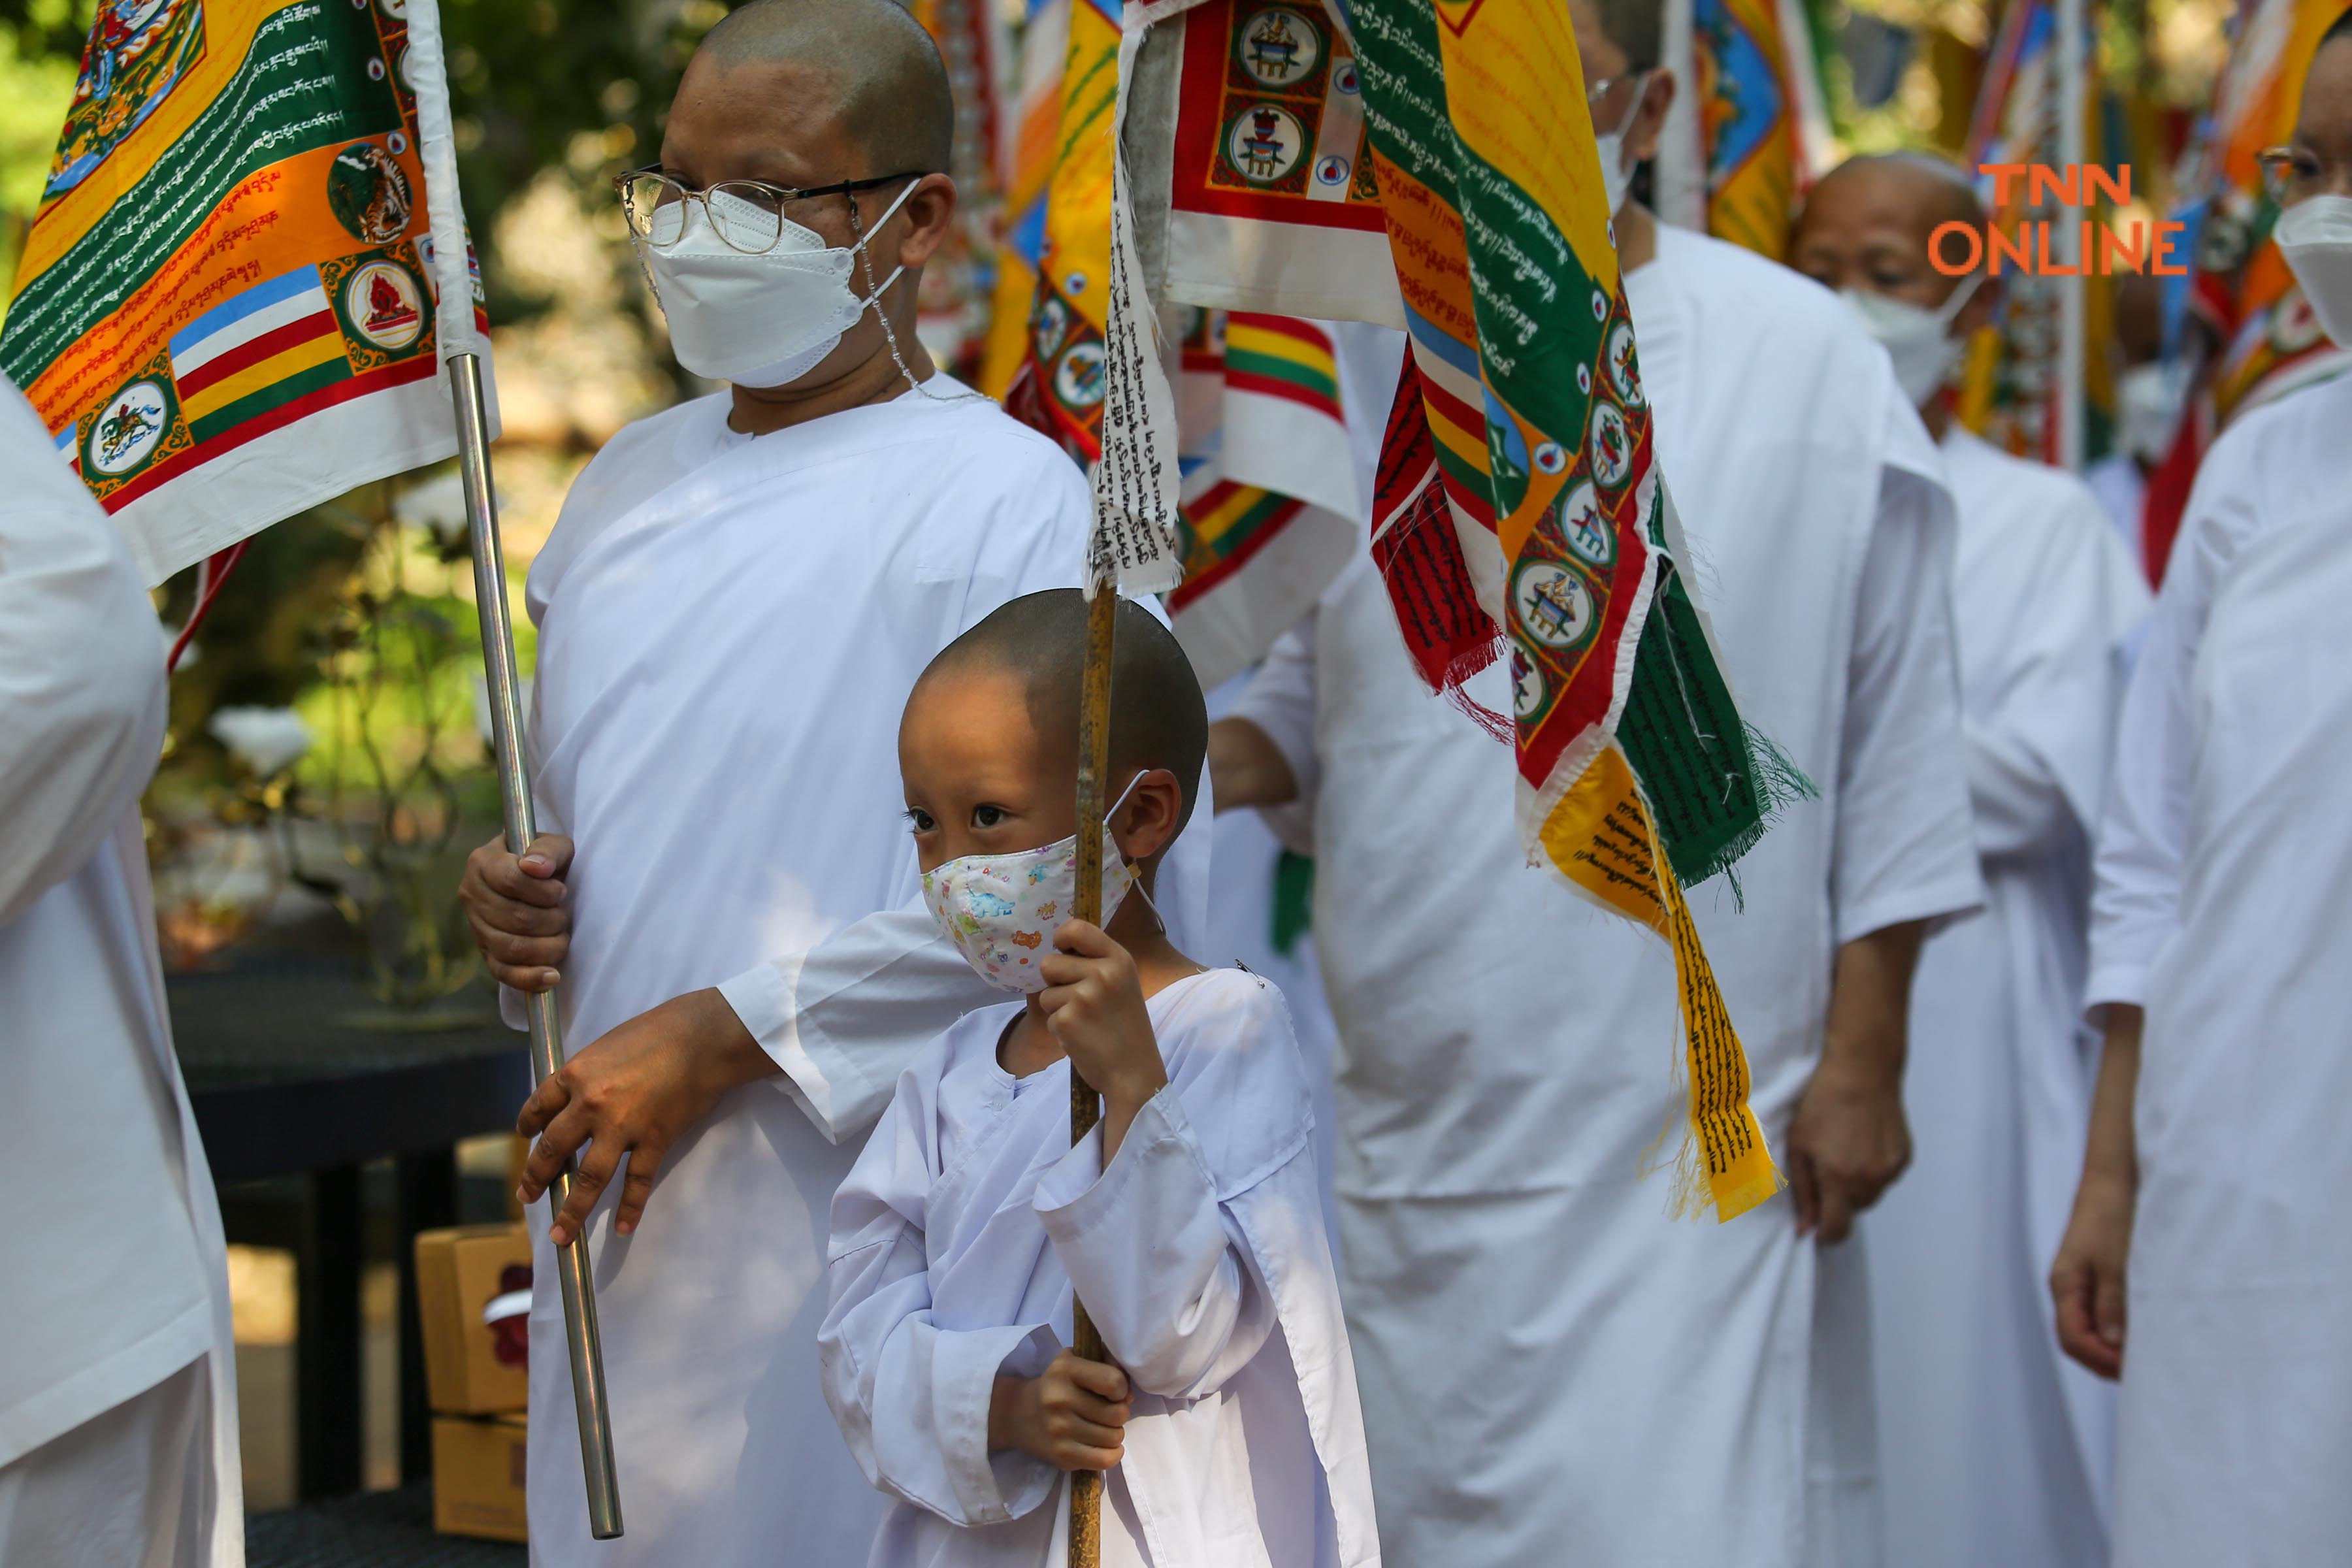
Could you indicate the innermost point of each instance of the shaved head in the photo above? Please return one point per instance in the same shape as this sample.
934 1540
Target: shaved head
1935 189
888 87
1158 717
1871 224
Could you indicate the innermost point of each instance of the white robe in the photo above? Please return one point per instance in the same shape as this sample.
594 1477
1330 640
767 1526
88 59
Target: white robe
2224 907
2122 490
729 629
113 1276
1200 1253
1550 1364
1246 855
1996 1449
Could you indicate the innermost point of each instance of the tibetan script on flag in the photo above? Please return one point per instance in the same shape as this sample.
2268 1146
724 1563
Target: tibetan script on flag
227 308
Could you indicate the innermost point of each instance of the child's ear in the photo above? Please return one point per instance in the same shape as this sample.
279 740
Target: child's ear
1147 823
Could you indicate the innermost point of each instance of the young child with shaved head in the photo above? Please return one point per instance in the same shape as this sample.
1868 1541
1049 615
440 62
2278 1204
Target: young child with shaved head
732 610
1189 1220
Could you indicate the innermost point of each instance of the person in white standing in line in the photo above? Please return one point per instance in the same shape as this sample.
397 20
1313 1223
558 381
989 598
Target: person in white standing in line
2207 1259
118 1382
1549 1364
732 607
1994 1448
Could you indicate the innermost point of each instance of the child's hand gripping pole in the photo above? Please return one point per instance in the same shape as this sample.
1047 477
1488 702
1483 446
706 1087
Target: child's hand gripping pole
1086 1105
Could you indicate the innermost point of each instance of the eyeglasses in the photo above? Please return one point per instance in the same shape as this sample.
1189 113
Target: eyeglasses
747 215
2291 173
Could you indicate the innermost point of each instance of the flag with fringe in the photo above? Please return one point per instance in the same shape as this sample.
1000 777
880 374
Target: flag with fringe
247 265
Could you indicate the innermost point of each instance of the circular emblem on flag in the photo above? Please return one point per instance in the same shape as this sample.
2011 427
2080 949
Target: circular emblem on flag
1344 79
1332 170
1600 306
128 428
1279 48
395 10
1074 284
1529 688
1554 604
2294 326
397 142
1264 143
405 67
1052 325
1549 458
384 304
1585 528
375 67
1078 379
1584 379
1625 372
1609 446
368 194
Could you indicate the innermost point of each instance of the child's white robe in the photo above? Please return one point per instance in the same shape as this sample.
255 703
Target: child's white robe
728 627
2224 907
1996 1447
1201 1257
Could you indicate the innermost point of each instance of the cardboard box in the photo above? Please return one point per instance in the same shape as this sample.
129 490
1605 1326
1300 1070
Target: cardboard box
477 1476
471 1367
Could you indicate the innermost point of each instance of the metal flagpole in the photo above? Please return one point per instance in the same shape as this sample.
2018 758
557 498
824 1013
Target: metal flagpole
1086 1105
580 1336
2073 84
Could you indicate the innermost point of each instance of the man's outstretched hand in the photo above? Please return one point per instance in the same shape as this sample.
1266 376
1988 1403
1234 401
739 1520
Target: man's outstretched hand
636 1090
514 904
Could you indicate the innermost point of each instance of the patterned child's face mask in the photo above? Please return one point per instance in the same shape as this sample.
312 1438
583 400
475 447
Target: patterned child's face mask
1002 911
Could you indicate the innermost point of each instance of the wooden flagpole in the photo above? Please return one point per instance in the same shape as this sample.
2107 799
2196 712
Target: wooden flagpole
1086 1105
580 1335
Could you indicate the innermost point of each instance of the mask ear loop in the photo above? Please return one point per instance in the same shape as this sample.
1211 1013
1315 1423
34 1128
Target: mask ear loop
874 303
1137 885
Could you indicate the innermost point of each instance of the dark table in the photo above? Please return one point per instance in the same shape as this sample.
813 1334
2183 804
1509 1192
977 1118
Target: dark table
380 1530
294 1071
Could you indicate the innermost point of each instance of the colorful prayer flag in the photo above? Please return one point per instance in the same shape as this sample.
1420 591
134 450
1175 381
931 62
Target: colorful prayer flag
1268 513
1519 509
1741 142
2271 343
1057 383
229 307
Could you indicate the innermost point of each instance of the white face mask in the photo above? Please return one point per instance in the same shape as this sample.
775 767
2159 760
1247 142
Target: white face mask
1002 911
1615 178
757 320
2315 236
1920 342
2148 400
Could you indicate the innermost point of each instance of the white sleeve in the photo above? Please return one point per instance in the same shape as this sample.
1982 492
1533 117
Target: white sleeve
912 1398
1280 700
1163 1269
2135 904
2039 757
844 1017
82 668
1905 848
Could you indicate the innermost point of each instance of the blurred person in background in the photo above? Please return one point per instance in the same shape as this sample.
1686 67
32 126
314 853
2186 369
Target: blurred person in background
1993 1448
118 1387
2208 1257
2151 395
